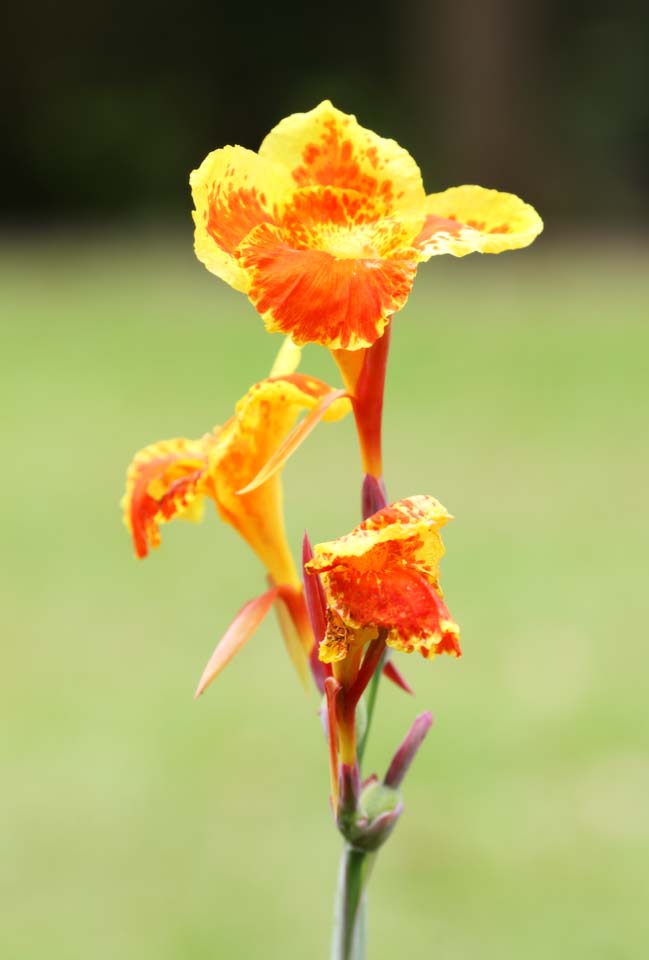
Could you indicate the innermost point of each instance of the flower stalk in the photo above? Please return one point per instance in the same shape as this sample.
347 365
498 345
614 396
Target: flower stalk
350 910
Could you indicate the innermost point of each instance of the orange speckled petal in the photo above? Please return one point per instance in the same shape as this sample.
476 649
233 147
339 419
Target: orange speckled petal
326 147
441 633
472 219
317 297
385 574
398 599
234 190
164 480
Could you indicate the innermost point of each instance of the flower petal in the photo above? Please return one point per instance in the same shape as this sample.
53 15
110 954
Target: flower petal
326 147
472 219
234 190
287 359
408 526
164 480
393 598
246 443
317 297
293 440
236 636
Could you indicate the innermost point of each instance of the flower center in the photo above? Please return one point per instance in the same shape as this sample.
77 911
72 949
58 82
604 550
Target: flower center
357 243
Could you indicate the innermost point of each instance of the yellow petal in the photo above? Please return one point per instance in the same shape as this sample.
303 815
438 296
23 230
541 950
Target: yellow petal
416 520
326 147
234 190
294 439
472 219
262 419
287 359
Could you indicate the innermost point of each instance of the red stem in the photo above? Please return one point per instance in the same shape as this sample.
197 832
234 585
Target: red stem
370 663
368 403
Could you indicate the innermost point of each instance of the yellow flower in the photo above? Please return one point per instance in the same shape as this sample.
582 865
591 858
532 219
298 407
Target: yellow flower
323 229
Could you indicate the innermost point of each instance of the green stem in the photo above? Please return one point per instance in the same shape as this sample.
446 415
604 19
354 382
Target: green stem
349 937
371 703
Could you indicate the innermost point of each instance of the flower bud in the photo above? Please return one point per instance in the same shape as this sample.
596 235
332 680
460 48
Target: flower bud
367 826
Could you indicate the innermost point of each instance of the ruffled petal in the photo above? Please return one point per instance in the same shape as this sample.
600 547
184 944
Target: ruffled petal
472 219
317 297
395 598
164 480
384 575
326 147
408 528
234 190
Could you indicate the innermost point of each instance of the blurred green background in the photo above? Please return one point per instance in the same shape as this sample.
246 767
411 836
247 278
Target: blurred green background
138 824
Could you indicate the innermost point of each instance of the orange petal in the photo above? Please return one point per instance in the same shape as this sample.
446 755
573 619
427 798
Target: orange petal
318 297
293 440
326 147
165 480
236 636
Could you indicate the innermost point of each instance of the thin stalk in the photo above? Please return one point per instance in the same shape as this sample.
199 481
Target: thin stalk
349 938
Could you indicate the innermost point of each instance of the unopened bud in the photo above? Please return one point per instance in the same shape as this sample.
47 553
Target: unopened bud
374 817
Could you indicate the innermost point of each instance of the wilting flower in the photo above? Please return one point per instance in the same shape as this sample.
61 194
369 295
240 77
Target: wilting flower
323 229
382 579
173 478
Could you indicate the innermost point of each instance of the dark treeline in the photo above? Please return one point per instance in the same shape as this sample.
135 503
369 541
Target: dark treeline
109 105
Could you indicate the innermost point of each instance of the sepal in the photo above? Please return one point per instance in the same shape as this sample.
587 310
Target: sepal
236 636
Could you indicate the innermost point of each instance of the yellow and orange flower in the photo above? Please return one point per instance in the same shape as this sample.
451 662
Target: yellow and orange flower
383 579
174 477
323 229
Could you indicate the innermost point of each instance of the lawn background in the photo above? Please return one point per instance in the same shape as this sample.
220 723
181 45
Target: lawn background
138 824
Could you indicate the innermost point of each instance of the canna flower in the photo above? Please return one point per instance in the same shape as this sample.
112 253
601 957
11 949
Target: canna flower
324 227
382 580
174 478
